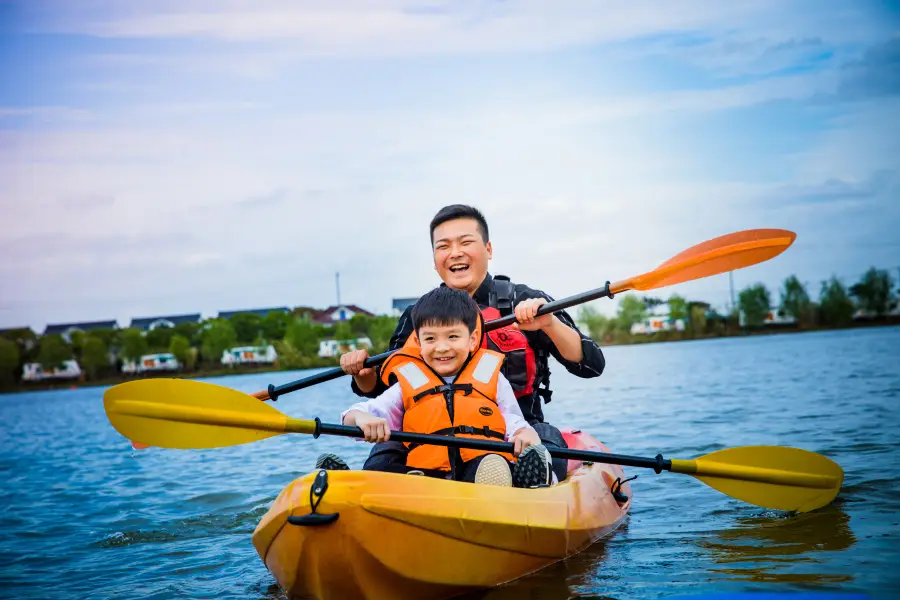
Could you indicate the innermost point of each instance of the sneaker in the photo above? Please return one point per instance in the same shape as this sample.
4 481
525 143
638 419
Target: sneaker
493 470
533 468
331 462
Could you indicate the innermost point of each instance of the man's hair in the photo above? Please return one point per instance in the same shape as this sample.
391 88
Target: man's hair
444 306
460 211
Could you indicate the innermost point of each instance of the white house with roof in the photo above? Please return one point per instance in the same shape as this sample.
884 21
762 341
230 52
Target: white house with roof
249 355
658 319
152 363
70 369
146 324
67 329
398 305
330 348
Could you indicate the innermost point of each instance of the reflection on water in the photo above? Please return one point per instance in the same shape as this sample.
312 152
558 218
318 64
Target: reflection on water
781 548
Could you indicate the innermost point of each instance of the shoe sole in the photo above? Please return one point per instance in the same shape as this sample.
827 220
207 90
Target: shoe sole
532 472
493 470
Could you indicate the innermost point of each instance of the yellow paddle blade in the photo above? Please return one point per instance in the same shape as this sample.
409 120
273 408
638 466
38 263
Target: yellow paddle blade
179 413
769 476
712 257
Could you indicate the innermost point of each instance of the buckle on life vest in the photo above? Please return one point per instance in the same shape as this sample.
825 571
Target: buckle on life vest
466 388
472 430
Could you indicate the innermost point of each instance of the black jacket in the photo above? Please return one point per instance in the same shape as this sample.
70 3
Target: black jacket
591 365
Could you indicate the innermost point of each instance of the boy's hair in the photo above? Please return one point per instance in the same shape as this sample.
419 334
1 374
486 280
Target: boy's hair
460 211
445 306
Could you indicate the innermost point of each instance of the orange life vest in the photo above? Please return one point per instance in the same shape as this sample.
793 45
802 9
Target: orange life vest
465 408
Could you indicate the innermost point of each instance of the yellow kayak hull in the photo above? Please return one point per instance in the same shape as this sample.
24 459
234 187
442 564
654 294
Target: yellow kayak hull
403 536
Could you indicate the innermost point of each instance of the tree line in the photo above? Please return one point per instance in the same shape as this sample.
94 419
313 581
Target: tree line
101 352
835 306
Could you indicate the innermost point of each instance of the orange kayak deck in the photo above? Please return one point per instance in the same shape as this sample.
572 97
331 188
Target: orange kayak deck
402 536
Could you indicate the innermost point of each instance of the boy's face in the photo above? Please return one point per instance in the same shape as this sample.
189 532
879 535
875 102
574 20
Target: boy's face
460 254
446 347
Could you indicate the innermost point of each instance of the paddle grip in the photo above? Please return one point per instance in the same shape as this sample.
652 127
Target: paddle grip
373 361
658 463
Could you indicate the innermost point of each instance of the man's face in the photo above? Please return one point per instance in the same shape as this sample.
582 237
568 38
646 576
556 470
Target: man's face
460 254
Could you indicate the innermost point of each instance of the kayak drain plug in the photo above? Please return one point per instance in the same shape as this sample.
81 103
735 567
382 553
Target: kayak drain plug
316 492
616 489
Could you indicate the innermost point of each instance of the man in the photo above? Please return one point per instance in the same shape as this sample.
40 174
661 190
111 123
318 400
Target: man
461 247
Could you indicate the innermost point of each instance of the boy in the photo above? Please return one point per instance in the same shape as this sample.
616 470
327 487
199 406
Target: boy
443 382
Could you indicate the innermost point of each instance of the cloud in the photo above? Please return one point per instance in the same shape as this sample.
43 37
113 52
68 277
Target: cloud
874 75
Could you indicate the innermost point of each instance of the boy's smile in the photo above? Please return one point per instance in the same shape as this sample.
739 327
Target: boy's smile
445 348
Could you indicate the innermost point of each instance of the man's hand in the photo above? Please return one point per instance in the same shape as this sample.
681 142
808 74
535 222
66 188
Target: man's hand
525 311
352 363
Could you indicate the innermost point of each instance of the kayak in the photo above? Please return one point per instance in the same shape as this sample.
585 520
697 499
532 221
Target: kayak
372 535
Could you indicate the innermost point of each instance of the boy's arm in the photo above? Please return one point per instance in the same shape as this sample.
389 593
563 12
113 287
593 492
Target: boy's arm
388 406
401 333
510 409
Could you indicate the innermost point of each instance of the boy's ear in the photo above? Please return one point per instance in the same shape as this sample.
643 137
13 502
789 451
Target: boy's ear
473 341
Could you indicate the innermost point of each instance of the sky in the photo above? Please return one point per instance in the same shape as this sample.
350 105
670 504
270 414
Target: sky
163 157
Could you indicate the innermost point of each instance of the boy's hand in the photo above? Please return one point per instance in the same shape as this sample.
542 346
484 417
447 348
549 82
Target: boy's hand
525 311
523 438
375 428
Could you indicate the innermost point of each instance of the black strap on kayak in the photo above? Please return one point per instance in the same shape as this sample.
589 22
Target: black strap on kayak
616 489
316 492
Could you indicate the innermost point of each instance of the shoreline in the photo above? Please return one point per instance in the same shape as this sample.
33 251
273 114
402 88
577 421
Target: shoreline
322 363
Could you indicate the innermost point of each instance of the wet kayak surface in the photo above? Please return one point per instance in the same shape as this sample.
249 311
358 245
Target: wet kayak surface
83 515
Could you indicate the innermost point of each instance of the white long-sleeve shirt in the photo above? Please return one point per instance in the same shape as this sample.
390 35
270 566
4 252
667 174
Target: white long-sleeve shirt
389 406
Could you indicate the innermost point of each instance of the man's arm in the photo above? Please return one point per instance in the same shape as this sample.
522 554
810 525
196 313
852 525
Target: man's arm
401 333
592 361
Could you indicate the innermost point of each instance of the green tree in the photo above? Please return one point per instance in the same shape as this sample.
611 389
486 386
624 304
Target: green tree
9 360
134 345
76 341
755 303
303 336
359 324
343 331
54 352
158 338
835 305
631 310
110 337
247 327
218 337
873 291
188 330
795 300
698 318
275 324
94 356
381 328
596 324
678 308
180 347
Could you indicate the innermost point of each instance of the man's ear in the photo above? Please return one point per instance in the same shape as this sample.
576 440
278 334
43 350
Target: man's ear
490 250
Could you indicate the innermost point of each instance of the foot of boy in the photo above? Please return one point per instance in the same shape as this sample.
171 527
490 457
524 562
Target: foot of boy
331 462
533 467
493 470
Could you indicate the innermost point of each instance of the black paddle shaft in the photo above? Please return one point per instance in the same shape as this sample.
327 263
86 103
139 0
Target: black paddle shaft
373 361
658 463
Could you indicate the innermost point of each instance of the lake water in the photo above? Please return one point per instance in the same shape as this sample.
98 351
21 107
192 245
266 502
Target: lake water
82 515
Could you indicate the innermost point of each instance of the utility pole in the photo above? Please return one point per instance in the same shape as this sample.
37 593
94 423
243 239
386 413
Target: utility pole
731 283
337 285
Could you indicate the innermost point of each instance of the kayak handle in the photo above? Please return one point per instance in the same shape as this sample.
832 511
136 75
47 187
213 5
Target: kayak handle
316 491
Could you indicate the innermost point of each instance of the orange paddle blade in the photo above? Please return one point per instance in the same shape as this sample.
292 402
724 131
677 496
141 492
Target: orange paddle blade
712 257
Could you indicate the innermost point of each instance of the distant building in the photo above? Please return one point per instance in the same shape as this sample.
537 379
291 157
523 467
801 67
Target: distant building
24 336
774 318
163 361
401 304
150 323
34 372
249 355
659 319
329 348
261 312
67 329
338 313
